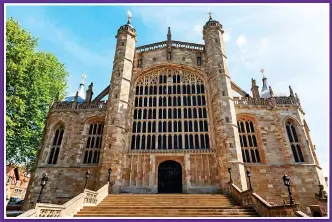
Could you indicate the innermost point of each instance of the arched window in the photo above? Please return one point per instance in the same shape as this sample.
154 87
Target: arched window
93 145
248 140
176 103
294 142
56 145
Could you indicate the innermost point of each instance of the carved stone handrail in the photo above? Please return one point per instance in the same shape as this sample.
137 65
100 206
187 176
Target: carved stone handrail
300 214
242 197
70 208
73 106
262 207
267 210
280 101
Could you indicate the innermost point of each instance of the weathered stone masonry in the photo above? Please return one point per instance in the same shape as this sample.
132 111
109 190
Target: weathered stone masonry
204 170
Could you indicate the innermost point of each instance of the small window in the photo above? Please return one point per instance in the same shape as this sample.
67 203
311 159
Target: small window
294 142
199 61
94 141
56 144
247 136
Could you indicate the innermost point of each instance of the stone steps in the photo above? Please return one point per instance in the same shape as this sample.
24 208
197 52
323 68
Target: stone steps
167 205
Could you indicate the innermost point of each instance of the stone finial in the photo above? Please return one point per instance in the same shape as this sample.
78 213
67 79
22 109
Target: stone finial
89 93
322 194
291 92
297 98
90 86
76 96
169 34
271 91
254 89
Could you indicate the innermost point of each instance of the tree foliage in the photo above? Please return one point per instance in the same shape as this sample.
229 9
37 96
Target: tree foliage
33 80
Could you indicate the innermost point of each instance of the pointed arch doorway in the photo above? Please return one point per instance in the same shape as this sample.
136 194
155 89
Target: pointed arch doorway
170 177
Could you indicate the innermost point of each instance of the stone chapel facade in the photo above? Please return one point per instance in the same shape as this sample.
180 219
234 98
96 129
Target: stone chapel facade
171 124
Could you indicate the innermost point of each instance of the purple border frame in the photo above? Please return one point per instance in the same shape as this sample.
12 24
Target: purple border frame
141 1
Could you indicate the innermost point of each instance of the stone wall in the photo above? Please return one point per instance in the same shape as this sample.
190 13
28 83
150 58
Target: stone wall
199 172
67 177
160 55
276 151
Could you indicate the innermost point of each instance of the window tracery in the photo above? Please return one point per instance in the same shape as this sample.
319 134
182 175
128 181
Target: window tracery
248 140
56 145
294 142
93 144
179 99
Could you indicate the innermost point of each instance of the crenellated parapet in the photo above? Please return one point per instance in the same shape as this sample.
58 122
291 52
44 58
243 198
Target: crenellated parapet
76 107
174 44
280 101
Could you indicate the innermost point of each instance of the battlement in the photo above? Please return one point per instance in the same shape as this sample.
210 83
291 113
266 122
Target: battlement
279 101
74 106
174 44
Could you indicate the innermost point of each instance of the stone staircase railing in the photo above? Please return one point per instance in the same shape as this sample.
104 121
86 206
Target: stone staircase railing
249 198
70 208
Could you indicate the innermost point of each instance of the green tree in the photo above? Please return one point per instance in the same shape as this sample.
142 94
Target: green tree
33 80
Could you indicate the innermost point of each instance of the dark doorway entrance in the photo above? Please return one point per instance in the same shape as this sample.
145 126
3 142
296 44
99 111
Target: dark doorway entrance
170 177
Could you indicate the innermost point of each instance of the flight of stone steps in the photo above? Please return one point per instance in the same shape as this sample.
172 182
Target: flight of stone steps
167 205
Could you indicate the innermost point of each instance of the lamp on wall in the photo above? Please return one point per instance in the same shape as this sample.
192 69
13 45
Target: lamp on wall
230 175
287 183
249 175
87 175
43 183
109 174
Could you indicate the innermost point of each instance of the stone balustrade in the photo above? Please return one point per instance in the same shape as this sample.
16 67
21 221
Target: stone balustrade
157 45
74 106
249 198
70 208
242 197
174 44
187 45
279 101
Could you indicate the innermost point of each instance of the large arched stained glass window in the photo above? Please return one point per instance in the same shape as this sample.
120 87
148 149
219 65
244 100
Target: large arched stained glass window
248 140
93 144
56 145
177 103
294 142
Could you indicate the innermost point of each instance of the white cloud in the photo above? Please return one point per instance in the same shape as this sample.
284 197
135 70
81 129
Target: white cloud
263 46
198 29
227 36
241 40
245 61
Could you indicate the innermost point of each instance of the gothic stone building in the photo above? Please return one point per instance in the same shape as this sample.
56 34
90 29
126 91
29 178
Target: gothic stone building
171 124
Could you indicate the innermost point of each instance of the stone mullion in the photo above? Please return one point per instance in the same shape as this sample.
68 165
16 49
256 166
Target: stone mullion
293 143
203 171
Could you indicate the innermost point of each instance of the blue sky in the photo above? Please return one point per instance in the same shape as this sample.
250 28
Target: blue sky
291 42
